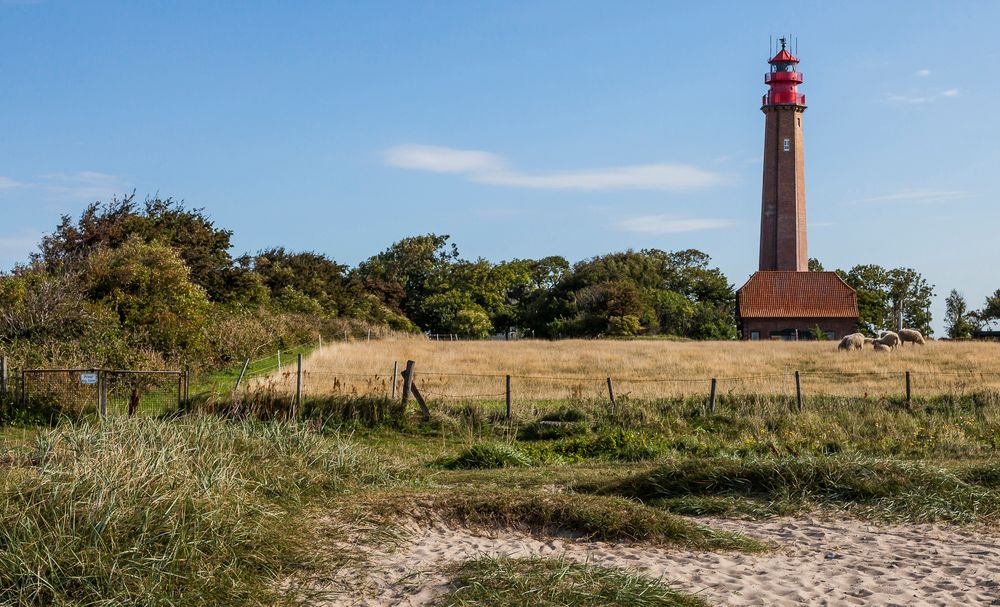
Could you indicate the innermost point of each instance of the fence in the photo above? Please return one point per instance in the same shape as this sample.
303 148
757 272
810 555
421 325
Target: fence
506 390
79 392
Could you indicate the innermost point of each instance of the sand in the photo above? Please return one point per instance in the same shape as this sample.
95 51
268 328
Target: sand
815 562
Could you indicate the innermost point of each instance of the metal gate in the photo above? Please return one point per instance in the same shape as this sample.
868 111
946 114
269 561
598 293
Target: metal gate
80 392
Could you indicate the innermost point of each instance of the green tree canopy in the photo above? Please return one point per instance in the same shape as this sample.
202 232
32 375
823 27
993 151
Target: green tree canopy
881 291
150 289
203 247
957 319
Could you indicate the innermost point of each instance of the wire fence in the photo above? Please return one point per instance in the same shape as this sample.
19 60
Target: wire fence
448 386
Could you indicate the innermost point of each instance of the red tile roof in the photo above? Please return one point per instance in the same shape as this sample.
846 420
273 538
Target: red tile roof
783 294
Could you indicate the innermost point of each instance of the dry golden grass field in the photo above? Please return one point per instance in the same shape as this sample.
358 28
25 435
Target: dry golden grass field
641 369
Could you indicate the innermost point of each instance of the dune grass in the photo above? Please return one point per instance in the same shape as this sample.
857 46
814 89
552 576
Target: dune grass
189 511
594 517
872 487
533 582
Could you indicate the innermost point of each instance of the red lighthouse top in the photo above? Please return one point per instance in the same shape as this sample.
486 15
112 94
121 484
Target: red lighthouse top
783 79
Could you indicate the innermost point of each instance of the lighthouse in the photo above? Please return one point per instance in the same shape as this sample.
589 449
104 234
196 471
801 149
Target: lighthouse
783 299
783 198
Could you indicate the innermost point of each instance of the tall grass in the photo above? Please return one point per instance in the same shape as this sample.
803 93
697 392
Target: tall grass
874 487
577 369
191 511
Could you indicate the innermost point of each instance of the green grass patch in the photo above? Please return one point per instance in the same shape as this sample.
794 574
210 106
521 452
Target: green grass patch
535 582
871 487
487 456
614 444
222 381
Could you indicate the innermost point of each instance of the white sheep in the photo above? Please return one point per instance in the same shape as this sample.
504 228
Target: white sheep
854 341
880 347
911 335
888 338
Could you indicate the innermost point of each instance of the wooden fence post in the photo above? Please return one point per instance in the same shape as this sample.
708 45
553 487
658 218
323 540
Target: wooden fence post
611 391
711 398
508 398
243 371
298 382
798 391
102 394
395 372
407 383
907 387
279 361
3 376
187 386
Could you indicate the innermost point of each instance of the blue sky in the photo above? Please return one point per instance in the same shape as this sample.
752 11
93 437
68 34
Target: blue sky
522 129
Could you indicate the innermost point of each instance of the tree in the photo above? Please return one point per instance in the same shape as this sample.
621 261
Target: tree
958 321
815 265
203 247
991 308
881 293
150 289
401 276
638 292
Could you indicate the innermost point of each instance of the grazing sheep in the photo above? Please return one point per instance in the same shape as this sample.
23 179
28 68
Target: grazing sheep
888 338
911 335
880 347
869 341
854 341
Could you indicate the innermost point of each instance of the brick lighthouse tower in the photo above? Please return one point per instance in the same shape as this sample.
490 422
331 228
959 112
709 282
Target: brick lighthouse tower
783 200
784 300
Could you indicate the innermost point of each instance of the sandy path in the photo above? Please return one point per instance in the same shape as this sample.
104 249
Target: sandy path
817 562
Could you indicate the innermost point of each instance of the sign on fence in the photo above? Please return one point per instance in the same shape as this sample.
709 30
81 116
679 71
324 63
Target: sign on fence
103 391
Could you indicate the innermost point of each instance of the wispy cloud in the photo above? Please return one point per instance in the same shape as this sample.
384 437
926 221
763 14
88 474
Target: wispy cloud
489 168
919 98
918 196
82 185
443 160
668 224
6 183
922 73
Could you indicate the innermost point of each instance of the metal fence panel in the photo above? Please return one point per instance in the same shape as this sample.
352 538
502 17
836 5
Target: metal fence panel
143 392
72 391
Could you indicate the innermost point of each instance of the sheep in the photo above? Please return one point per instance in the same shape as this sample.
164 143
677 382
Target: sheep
888 338
854 341
911 335
880 347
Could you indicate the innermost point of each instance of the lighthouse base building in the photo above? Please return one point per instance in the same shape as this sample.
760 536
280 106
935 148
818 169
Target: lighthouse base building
791 305
784 300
